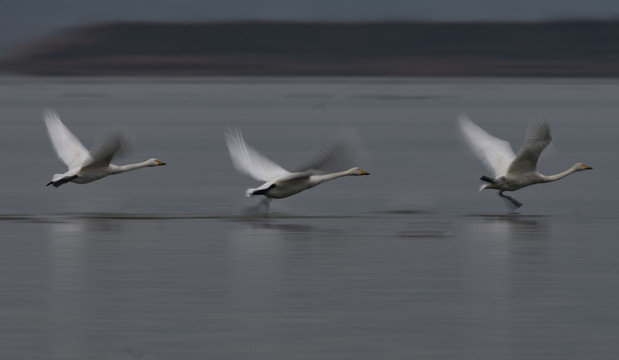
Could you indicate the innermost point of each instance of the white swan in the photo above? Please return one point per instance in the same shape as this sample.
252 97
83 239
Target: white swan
278 182
510 171
85 166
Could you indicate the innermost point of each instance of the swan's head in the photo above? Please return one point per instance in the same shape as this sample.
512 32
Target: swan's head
154 162
357 171
581 166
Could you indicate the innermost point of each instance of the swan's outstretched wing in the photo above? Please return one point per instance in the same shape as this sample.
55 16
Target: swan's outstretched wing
68 147
345 153
496 154
250 162
538 137
107 148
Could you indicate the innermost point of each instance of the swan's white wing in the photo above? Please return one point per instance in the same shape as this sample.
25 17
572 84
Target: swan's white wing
494 153
538 137
68 147
250 162
345 152
109 146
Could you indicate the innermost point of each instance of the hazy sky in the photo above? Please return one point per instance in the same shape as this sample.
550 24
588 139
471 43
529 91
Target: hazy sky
27 19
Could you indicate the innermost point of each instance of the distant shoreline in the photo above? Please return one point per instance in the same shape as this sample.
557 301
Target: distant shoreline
536 49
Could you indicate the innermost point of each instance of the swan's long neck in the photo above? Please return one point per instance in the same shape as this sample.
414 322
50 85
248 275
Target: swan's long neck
561 175
117 169
317 179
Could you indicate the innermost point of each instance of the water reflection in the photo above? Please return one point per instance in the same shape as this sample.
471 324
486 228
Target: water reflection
66 256
501 239
514 243
505 259
514 224
255 262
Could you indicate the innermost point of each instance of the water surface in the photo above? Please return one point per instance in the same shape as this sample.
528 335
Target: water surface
410 262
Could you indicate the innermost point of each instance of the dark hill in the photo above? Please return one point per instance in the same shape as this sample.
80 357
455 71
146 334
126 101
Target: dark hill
566 48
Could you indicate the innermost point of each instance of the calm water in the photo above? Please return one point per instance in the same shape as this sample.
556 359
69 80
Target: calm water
408 263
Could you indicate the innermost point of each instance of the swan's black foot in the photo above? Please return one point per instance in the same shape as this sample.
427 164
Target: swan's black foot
515 202
487 179
265 202
261 209
61 181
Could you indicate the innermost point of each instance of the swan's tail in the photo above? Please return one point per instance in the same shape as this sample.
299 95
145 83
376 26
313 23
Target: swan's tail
259 191
57 177
487 179
58 180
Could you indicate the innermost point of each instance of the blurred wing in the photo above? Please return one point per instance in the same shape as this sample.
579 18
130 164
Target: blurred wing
345 153
494 153
68 147
250 162
112 145
538 137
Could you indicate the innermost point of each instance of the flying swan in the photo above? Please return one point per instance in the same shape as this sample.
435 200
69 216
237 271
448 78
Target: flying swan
511 172
278 182
85 166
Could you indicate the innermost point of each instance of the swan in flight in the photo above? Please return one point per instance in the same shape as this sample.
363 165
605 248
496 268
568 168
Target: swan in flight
511 172
278 182
85 166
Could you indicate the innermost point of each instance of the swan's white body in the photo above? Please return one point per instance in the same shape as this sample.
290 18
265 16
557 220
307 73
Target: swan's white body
510 171
84 166
278 182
